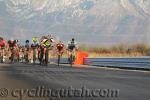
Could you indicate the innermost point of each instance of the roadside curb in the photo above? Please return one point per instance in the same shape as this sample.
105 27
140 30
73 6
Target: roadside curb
112 68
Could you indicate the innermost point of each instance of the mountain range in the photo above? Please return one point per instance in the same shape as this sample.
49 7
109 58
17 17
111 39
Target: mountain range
97 22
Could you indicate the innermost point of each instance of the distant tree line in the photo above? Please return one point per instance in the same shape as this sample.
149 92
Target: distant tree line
141 49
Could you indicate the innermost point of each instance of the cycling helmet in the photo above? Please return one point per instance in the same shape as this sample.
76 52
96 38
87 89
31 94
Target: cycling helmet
11 41
49 35
43 37
73 39
35 39
27 41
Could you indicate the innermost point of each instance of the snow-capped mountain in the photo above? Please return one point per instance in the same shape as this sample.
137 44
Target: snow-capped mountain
90 21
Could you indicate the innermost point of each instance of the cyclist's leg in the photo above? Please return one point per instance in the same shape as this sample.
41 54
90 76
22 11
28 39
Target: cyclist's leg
41 56
46 56
22 56
74 55
58 59
71 59
69 53
34 55
12 55
27 56
71 56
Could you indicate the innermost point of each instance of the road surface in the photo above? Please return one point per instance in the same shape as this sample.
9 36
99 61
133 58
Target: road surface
21 82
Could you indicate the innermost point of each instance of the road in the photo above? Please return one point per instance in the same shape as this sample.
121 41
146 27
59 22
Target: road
16 80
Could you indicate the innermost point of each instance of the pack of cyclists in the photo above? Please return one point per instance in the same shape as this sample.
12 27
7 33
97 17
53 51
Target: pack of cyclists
36 51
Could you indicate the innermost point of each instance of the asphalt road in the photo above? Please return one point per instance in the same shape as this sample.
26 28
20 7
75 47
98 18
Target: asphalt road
27 82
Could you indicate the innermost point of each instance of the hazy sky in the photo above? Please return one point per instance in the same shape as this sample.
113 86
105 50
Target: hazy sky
102 22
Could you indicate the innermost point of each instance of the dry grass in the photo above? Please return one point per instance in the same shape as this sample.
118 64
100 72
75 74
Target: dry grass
117 51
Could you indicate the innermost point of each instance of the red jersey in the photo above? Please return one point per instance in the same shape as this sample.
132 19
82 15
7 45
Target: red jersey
60 46
2 43
12 43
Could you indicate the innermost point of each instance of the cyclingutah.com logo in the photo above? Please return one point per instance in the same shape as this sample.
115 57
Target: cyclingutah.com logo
3 92
69 92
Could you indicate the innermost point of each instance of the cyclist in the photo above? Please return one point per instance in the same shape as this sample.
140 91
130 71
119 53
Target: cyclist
72 47
17 58
45 46
2 47
12 47
34 47
27 48
49 46
59 50
60 47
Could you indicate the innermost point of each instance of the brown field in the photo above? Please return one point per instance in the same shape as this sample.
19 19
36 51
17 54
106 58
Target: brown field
117 51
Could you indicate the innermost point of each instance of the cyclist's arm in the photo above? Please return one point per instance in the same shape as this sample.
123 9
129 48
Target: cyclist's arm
76 46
